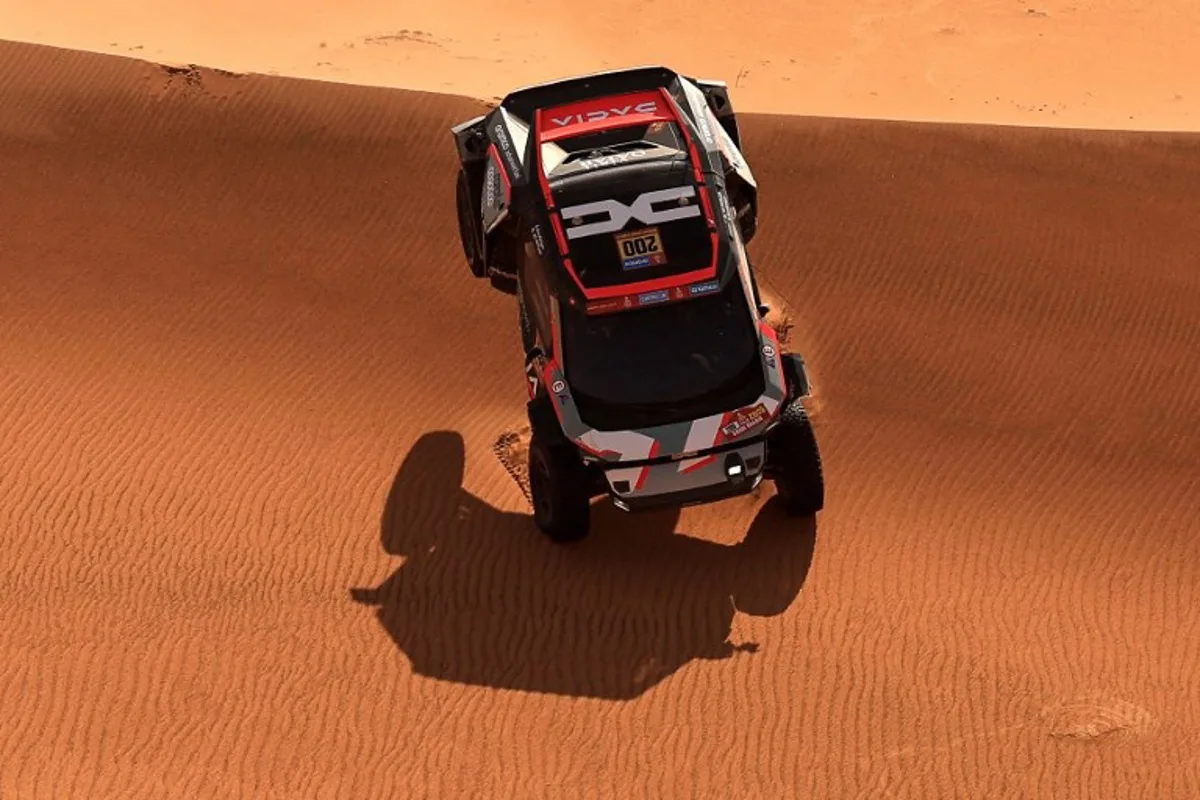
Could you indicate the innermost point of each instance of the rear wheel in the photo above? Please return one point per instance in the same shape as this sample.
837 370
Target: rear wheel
468 226
795 462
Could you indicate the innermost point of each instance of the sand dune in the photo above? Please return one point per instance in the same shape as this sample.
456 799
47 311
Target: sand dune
1099 64
257 543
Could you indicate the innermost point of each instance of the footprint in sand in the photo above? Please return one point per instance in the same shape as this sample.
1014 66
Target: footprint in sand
1093 716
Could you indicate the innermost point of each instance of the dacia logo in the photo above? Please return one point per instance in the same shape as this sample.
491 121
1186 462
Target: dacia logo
641 209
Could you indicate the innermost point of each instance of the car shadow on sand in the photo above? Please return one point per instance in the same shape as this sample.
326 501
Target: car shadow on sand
483 599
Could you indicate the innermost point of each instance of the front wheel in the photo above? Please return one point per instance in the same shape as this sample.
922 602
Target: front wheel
560 490
795 462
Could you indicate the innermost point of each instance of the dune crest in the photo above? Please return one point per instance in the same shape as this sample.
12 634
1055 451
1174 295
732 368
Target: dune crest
1086 65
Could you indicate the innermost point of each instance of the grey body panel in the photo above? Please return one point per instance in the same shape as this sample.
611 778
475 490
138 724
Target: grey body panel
685 476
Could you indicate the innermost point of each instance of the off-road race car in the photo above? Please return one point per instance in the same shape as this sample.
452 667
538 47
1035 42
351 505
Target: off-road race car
616 207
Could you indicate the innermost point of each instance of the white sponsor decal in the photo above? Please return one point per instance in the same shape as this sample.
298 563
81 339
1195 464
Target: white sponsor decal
702 120
726 210
641 209
745 419
538 240
506 146
558 387
648 107
701 113
491 184
730 149
610 161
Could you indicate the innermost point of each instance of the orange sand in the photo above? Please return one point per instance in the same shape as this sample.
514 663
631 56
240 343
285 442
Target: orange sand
250 392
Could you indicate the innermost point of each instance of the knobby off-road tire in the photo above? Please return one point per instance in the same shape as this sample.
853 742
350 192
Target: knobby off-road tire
468 226
795 462
559 484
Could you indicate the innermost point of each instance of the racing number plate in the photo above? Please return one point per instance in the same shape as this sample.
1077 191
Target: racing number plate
640 248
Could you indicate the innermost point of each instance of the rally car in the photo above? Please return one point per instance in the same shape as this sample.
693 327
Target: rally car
616 208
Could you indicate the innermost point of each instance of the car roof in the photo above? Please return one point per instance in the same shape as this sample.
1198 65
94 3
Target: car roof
526 100
557 112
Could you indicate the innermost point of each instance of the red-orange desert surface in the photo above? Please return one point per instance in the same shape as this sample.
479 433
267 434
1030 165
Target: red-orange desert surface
258 541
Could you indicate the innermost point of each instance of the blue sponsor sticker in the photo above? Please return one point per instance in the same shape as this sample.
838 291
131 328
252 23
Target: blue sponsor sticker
708 287
659 296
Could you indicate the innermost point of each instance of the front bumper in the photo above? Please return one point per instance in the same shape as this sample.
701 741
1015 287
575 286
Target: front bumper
702 478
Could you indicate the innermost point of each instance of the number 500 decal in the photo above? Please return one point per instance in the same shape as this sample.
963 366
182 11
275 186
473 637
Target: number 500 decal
642 209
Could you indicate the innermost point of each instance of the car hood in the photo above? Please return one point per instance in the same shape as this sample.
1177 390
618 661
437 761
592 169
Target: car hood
677 439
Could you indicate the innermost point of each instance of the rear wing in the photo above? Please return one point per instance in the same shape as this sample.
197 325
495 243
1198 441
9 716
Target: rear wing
472 140
525 101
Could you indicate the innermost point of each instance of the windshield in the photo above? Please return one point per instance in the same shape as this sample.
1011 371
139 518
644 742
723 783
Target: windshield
665 360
